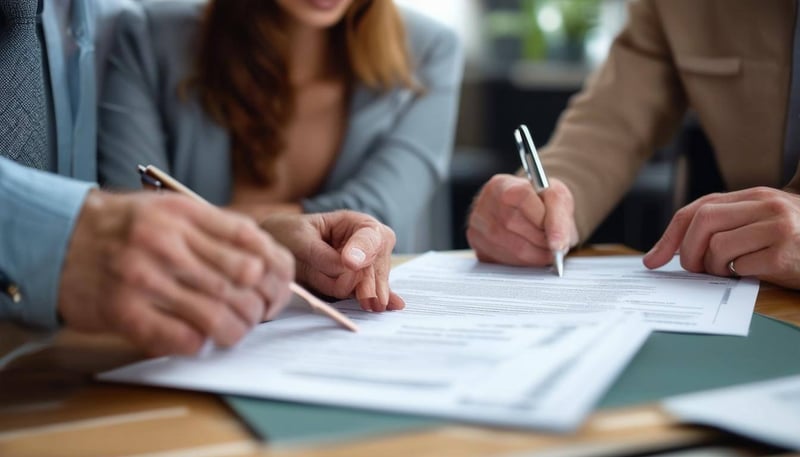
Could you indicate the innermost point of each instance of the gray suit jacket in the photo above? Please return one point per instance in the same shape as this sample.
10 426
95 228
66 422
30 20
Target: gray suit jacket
394 157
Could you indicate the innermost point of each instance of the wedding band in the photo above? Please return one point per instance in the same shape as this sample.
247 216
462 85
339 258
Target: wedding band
732 268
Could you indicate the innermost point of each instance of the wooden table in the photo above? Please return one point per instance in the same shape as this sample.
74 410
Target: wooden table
50 405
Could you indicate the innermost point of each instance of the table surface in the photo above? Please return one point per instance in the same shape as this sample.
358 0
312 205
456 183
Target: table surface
50 405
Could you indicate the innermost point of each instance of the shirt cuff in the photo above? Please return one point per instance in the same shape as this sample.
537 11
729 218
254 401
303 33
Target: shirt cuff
40 211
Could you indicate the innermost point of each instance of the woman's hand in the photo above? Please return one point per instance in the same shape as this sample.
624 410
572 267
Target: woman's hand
340 254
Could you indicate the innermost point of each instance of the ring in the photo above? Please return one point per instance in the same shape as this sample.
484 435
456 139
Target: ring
732 268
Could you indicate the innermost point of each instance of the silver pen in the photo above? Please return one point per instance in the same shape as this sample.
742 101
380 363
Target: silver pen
535 171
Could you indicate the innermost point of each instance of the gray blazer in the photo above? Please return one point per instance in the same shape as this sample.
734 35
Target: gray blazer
395 155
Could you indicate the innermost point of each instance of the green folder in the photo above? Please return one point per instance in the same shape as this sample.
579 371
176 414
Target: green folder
668 364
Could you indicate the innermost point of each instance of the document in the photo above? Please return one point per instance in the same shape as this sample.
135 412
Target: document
541 372
670 298
766 411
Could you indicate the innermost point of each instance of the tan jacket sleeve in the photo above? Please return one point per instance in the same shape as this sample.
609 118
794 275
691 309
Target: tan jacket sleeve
628 108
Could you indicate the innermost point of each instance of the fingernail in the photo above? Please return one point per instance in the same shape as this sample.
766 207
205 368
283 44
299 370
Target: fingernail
358 255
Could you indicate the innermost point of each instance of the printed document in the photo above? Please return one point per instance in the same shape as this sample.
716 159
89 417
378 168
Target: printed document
521 371
670 298
767 411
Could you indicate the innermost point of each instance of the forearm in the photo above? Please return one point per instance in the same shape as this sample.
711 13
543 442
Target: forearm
627 109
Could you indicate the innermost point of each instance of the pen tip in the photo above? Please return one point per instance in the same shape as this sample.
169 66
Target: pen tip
559 261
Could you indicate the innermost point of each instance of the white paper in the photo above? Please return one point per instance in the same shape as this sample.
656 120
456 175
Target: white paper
670 298
525 371
767 411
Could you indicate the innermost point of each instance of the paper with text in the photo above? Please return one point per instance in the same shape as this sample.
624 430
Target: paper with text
767 411
670 298
526 371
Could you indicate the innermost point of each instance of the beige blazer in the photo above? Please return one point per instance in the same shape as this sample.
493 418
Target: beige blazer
728 60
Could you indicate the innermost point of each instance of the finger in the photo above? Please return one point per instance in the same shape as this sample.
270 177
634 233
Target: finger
515 192
495 231
197 274
152 330
509 249
244 233
712 218
396 302
238 266
212 317
762 264
276 295
734 244
366 293
673 236
509 204
382 267
321 257
513 220
559 218
363 246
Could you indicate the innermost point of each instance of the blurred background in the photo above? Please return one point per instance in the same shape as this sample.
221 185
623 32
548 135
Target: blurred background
524 60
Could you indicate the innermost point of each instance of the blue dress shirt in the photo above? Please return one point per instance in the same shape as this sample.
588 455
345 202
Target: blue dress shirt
38 210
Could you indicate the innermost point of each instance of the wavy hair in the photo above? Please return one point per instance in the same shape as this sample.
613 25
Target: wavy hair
241 69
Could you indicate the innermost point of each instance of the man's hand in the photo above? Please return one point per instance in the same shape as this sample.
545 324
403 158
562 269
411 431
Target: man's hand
168 273
758 229
511 224
340 254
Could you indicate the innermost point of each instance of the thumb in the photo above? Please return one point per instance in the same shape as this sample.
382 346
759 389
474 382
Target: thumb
364 245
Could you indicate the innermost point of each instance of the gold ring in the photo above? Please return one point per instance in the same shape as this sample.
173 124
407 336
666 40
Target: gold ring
732 268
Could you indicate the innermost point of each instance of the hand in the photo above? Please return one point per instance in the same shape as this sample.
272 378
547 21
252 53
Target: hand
758 229
340 254
511 224
167 272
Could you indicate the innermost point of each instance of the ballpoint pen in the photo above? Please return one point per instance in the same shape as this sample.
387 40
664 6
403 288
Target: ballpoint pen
153 177
535 171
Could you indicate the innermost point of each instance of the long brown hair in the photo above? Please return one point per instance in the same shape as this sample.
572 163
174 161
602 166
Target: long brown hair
241 69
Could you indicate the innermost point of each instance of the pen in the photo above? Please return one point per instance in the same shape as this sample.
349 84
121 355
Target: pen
153 177
535 171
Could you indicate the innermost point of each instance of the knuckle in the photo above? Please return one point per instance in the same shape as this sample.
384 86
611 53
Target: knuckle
245 229
389 235
137 275
140 233
212 320
188 341
716 243
682 217
137 329
785 228
215 320
778 206
249 270
705 214
218 287
762 193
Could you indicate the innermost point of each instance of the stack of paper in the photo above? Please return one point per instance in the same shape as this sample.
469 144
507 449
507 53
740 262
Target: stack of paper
479 343
544 372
